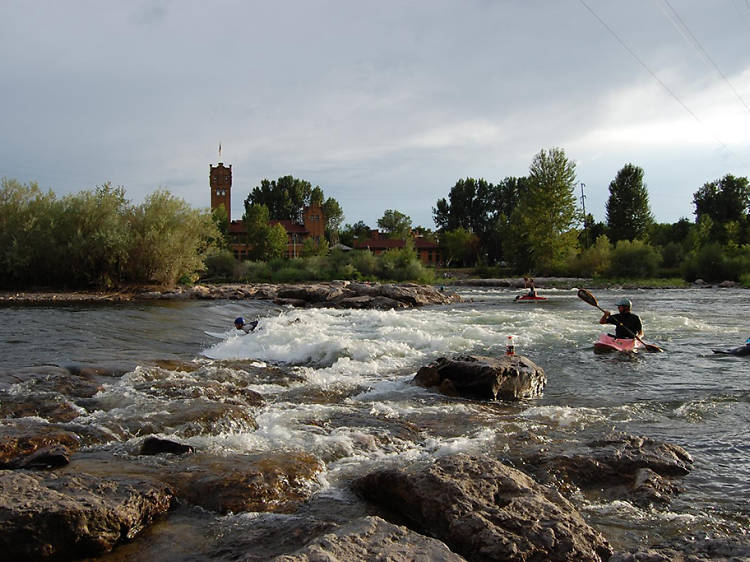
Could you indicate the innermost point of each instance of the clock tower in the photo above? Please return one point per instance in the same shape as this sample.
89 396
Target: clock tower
220 180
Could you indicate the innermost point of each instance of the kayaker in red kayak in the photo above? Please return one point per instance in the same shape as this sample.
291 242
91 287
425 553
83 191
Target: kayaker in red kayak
528 283
624 320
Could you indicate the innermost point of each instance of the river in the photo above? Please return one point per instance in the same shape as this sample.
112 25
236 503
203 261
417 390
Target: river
336 384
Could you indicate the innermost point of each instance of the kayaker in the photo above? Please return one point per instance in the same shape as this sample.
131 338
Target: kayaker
528 283
627 323
248 327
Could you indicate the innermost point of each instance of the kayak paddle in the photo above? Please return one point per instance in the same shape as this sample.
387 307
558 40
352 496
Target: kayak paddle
584 295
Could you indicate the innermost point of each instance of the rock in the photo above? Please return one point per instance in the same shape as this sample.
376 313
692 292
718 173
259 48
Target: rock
49 406
156 446
485 510
728 284
372 538
22 438
69 382
691 549
507 377
636 469
44 458
51 516
277 483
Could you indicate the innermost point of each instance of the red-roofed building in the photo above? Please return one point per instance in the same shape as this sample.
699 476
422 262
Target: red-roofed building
312 226
428 252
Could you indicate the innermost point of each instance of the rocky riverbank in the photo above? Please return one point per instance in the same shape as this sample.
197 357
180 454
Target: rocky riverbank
334 294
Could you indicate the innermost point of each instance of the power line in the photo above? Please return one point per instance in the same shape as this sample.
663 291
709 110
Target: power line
687 34
655 77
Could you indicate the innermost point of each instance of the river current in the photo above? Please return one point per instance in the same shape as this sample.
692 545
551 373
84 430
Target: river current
336 384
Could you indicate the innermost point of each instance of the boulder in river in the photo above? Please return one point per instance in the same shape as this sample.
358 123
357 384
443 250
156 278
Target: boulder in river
485 510
619 466
28 441
47 515
507 377
277 483
372 538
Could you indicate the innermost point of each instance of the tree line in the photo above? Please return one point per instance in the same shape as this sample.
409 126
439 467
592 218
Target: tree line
533 224
530 224
97 238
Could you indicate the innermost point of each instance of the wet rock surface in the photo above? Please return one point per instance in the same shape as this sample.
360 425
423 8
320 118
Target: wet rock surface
276 483
618 466
52 516
372 538
473 376
485 510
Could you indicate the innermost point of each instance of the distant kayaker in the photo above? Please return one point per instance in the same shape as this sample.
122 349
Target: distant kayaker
627 323
528 283
246 327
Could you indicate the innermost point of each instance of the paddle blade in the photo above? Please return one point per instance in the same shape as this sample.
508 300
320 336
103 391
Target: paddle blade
584 295
653 348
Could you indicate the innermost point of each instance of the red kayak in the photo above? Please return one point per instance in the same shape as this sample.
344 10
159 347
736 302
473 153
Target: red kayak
527 298
607 343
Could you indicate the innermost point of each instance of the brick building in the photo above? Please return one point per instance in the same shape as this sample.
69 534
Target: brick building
428 252
312 225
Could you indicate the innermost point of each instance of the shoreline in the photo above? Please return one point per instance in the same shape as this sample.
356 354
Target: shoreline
268 291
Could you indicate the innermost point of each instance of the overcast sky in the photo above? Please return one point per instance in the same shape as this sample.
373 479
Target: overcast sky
384 105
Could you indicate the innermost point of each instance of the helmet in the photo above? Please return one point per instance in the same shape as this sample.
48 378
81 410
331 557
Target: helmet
239 320
624 302
747 340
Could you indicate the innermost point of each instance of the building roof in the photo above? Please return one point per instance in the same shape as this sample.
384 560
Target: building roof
389 243
238 227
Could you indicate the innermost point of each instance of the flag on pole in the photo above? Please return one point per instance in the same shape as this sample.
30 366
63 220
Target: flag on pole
219 151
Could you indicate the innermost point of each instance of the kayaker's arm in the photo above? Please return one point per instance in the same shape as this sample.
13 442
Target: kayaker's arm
604 318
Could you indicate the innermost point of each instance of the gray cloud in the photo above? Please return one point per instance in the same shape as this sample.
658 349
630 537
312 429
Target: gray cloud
382 108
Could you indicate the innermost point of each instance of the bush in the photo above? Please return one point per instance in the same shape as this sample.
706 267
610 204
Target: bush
365 262
253 272
593 261
634 259
220 265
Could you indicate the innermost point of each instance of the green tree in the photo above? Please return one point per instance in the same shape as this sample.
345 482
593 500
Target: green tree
628 212
725 201
266 242
547 212
634 259
284 198
97 235
334 217
170 240
312 247
352 232
395 224
461 246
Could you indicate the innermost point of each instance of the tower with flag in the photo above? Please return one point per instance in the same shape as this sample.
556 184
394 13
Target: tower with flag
220 180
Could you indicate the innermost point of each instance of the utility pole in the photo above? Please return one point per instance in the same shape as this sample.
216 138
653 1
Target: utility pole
583 204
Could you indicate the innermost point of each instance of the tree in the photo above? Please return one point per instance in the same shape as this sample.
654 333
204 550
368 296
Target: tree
469 207
727 203
547 212
287 197
395 224
628 212
727 199
97 234
170 240
461 246
284 198
334 217
352 232
266 242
